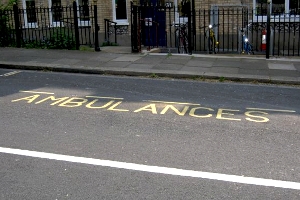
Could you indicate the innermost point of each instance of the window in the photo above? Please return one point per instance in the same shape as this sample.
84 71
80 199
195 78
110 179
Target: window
120 12
294 7
178 18
56 13
30 18
83 13
278 7
56 10
30 8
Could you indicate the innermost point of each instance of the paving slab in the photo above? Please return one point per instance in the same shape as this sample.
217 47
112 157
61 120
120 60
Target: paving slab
150 59
140 66
254 72
126 58
115 64
179 57
195 69
199 63
253 66
287 73
164 66
103 57
90 63
66 61
175 61
282 66
227 70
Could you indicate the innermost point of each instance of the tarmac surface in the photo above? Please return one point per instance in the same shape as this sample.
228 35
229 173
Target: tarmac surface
120 61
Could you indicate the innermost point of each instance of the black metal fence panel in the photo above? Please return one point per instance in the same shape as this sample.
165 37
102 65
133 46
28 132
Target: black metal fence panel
7 28
148 26
232 23
56 27
230 26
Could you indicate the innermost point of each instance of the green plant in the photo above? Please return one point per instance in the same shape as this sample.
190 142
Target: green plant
6 31
8 5
60 39
195 77
86 48
153 75
30 44
107 43
221 79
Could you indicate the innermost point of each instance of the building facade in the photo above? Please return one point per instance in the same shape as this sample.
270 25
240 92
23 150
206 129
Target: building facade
119 11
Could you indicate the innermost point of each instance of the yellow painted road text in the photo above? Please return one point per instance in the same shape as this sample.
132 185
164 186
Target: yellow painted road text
258 115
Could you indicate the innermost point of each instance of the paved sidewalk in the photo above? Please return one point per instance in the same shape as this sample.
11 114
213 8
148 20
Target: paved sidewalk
120 61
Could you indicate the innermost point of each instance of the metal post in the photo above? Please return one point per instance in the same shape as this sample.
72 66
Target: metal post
189 29
76 25
17 25
134 26
194 25
268 30
97 48
105 31
115 26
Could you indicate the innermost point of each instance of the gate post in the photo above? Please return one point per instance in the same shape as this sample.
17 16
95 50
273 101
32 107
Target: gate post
76 25
97 48
17 25
134 29
268 30
189 28
194 25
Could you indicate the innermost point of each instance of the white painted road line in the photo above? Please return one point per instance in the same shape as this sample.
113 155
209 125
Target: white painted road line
11 73
35 92
156 169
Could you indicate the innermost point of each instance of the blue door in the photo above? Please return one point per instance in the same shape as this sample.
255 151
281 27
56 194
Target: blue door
153 20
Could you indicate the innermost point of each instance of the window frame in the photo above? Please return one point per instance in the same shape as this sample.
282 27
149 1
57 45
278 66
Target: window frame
280 17
178 18
83 23
119 21
26 23
52 22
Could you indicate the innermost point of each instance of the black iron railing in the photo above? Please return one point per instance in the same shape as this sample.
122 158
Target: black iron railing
57 27
230 25
108 26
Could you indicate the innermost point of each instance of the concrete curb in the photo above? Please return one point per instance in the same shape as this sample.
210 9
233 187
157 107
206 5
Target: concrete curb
286 59
153 74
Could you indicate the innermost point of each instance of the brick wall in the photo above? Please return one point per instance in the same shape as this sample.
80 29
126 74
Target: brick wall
105 9
206 4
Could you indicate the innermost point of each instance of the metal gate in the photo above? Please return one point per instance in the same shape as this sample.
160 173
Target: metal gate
149 26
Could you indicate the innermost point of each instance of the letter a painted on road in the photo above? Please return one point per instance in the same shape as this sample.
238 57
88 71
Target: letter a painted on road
150 107
29 99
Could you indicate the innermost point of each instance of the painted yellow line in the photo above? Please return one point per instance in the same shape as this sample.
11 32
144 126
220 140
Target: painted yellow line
35 92
156 169
167 102
275 110
104 97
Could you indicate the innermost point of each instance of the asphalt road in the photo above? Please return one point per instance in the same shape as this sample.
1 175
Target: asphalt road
74 136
